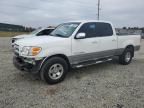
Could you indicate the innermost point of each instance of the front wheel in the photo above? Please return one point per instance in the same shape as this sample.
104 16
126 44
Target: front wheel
126 57
54 70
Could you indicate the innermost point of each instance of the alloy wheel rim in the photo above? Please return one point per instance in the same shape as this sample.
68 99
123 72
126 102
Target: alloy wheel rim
56 71
127 56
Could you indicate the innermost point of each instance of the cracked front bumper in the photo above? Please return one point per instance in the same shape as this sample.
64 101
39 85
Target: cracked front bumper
28 65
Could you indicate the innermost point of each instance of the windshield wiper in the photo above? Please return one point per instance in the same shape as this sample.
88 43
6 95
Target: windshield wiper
58 35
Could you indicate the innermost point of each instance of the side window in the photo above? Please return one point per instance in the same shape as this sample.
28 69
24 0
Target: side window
89 29
97 29
103 29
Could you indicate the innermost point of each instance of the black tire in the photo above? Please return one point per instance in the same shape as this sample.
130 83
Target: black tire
45 71
122 58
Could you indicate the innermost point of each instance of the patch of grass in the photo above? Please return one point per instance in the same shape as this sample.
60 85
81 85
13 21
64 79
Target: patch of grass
11 34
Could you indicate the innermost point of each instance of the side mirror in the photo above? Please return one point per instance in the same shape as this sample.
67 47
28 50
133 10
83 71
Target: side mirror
80 36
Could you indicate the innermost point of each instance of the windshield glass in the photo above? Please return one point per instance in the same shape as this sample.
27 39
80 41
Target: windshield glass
35 31
65 30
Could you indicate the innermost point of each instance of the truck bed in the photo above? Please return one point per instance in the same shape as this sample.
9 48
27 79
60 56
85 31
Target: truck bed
124 40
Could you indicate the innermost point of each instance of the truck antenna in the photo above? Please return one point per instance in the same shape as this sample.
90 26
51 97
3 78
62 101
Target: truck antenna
98 15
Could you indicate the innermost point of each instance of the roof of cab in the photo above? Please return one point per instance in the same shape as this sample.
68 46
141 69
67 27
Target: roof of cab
85 21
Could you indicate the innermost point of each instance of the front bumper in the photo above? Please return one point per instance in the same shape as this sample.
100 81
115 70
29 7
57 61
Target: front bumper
24 64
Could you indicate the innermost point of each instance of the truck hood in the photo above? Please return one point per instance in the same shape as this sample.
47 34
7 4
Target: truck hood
37 41
23 36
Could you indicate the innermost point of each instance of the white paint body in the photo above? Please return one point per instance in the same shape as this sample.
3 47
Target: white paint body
52 45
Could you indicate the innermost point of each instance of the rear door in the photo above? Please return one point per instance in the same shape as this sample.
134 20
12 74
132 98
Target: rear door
108 40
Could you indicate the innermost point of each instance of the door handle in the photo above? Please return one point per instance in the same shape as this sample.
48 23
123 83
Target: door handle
114 40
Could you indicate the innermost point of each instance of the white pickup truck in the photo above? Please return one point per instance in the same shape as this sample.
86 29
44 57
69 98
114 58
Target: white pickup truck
37 32
73 45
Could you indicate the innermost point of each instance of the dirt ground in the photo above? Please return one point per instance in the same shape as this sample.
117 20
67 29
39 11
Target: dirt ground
11 34
107 85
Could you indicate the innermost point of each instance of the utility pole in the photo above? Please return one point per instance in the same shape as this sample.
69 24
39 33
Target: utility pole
98 15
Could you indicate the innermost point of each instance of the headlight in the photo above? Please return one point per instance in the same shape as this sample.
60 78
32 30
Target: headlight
30 51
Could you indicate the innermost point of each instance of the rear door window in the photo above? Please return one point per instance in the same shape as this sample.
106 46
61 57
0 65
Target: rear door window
103 29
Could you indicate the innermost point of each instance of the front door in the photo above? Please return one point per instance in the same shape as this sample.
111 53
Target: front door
85 49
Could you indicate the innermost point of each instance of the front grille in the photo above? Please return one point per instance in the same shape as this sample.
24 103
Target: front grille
16 48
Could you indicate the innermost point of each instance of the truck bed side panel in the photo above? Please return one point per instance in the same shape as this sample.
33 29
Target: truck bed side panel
126 40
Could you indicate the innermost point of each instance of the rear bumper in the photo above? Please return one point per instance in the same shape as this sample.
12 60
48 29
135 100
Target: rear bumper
22 64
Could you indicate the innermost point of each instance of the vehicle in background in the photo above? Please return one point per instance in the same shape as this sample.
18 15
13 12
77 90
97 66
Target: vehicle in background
37 32
73 45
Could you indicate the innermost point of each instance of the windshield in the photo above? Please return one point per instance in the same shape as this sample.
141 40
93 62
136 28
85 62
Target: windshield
65 30
35 31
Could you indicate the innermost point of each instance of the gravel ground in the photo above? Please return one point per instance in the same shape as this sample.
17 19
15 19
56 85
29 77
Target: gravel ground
107 85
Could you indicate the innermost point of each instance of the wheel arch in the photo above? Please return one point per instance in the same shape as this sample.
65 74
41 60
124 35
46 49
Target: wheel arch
130 47
57 55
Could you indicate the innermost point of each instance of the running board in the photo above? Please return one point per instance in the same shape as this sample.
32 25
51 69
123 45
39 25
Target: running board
84 64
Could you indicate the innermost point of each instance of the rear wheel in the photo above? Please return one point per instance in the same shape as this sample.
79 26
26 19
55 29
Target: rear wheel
54 70
126 57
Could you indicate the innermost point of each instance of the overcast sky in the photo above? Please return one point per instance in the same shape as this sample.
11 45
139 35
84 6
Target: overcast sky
37 13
